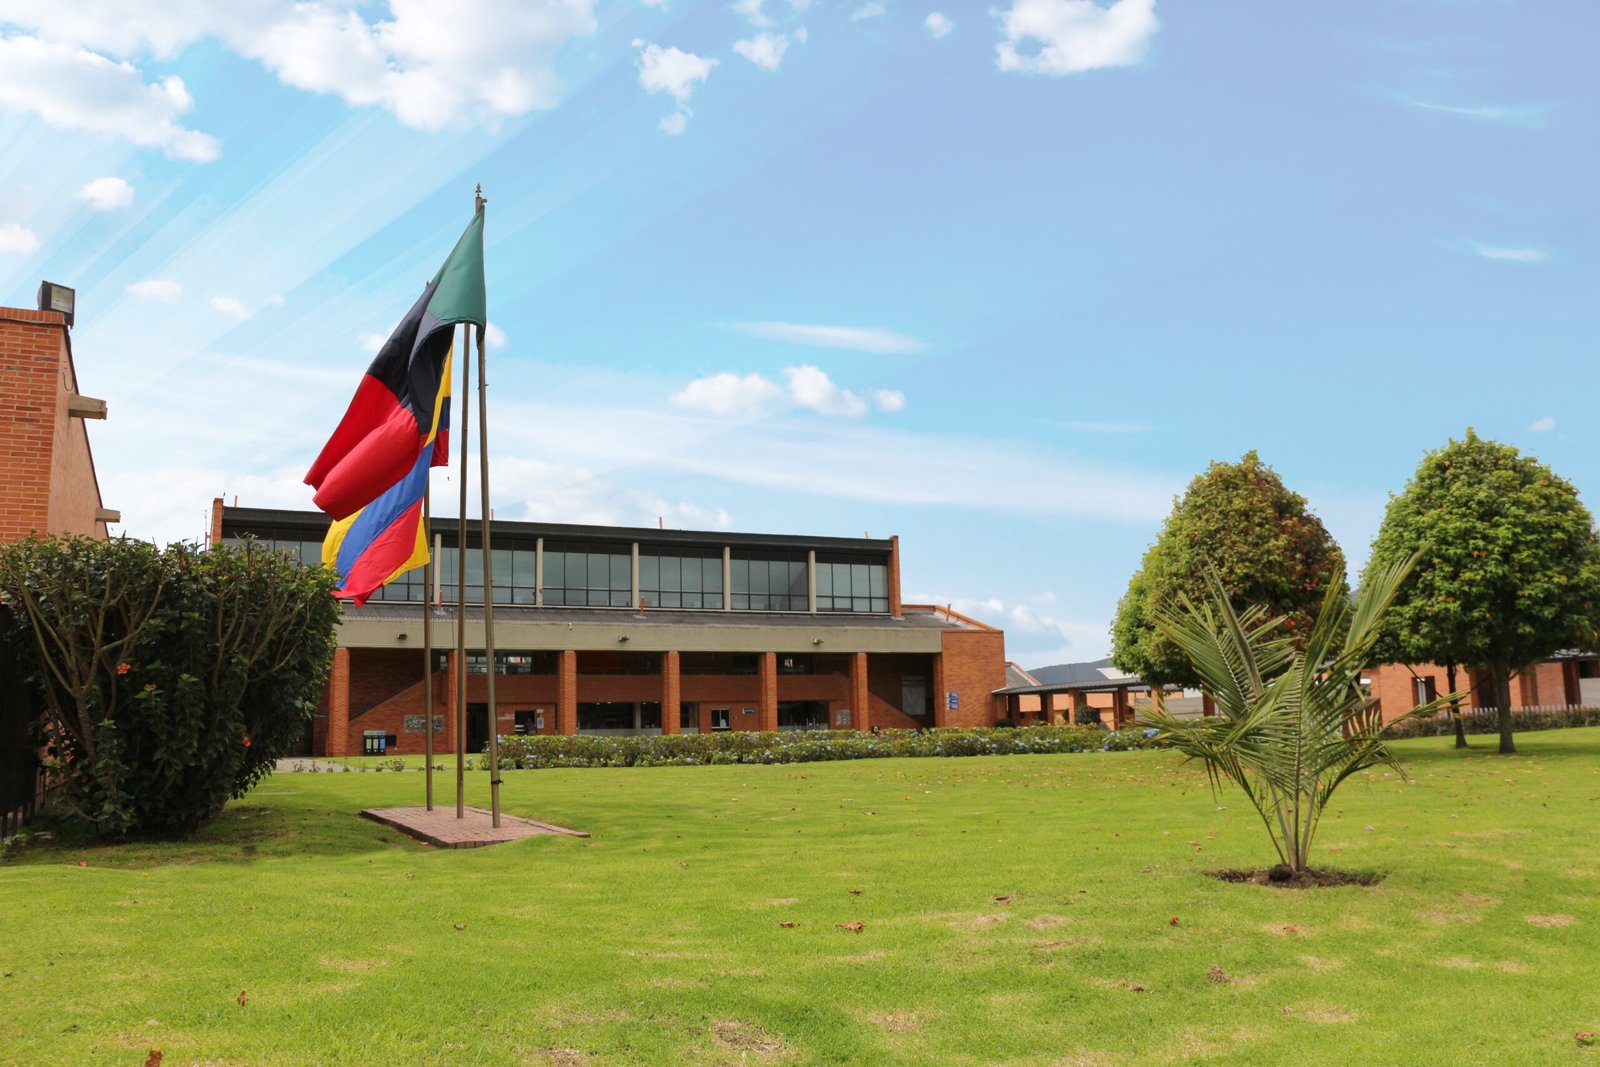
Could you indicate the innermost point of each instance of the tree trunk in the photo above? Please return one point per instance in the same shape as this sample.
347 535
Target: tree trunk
1502 697
1455 707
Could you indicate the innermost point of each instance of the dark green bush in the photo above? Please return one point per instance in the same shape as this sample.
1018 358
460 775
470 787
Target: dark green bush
171 679
546 750
1487 721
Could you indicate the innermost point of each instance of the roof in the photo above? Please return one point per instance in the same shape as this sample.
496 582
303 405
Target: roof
236 519
380 611
1097 675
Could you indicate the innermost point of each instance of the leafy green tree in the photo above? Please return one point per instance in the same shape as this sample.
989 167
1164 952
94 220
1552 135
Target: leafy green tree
1267 549
1509 571
1292 721
169 679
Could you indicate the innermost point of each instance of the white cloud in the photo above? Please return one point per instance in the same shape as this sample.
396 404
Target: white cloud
494 337
810 387
873 10
1069 36
430 64
804 386
674 123
938 24
729 394
107 194
74 89
1511 255
751 10
658 4
672 71
1034 637
163 289
1543 425
765 50
15 237
371 342
1509 116
856 338
889 400
231 306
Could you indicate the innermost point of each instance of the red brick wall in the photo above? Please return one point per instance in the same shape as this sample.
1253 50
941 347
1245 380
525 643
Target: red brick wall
49 484
974 667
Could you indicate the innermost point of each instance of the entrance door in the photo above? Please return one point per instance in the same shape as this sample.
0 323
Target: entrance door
477 728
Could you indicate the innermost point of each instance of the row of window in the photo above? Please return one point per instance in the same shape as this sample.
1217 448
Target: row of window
580 575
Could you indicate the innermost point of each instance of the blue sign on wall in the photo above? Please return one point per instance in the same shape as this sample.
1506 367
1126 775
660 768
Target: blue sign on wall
952 701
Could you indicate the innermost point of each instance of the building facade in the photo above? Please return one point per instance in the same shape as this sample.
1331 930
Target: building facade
616 631
50 484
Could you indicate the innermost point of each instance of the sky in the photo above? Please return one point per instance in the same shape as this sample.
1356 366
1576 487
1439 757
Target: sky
997 277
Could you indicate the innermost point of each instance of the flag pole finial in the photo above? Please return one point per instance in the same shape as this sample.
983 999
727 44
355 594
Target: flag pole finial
477 197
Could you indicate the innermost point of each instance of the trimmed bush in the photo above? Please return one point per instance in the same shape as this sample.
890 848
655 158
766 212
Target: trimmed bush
534 751
170 679
1487 721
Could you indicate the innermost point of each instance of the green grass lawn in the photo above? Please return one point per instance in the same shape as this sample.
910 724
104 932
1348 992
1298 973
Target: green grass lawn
661 938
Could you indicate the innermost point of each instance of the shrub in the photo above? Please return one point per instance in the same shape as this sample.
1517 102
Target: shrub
534 751
170 679
1487 721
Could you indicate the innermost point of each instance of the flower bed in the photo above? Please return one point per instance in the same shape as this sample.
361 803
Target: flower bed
529 752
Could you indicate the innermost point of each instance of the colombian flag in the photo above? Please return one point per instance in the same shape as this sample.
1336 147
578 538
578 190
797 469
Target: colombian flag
387 537
394 417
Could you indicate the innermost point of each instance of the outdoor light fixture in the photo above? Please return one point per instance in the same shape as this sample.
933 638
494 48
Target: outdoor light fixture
53 297
401 636
624 637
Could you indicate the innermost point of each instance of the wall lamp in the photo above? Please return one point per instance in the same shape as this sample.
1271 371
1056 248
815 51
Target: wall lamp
816 640
622 638
401 636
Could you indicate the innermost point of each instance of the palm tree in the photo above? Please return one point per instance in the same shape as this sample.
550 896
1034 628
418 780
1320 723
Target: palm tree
1292 722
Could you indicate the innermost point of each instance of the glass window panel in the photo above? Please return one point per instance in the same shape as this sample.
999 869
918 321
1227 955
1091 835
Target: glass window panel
672 600
797 582
879 578
824 580
740 575
555 569
860 603
622 598
652 572
760 572
672 569
859 583
693 600
622 572
599 598
711 575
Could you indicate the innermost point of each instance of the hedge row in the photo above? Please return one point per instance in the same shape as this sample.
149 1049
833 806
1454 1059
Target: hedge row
534 751
1487 721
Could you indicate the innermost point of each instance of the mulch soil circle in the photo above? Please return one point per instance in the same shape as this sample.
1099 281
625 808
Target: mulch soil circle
1282 877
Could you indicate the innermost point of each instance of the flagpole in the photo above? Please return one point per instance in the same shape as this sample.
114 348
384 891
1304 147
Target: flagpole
484 518
461 585
427 647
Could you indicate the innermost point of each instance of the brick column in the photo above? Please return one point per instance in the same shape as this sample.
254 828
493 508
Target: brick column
860 697
567 694
941 704
1119 707
452 668
767 706
671 693
216 521
894 576
338 739
1208 707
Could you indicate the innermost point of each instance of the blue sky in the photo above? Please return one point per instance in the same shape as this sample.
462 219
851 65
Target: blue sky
997 277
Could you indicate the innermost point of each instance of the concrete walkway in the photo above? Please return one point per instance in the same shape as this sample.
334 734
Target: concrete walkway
442 829
292 764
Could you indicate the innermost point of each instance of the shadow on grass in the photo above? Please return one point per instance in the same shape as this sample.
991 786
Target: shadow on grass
246 831
1577 743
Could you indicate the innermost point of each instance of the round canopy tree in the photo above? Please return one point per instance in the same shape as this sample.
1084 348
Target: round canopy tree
1267 549
1509 571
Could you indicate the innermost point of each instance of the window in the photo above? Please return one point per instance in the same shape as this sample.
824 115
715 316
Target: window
769 581
680 577
852 583
509 662
720 719
596 576
1425 689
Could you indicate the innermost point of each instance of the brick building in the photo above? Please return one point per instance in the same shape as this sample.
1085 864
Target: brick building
614 630
50 484
1568 680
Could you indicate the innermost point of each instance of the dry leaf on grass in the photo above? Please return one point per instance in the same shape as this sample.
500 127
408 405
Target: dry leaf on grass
854 928
243 998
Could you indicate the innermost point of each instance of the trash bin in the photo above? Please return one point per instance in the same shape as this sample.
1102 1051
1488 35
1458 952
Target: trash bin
373 742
